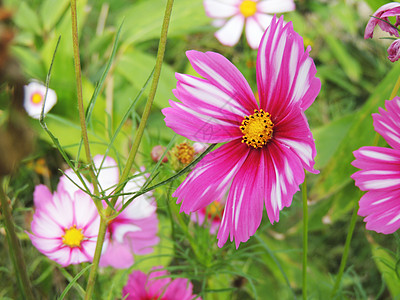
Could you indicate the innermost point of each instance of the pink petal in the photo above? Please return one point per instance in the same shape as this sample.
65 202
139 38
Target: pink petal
180 288
219 10
293 132
285 72
284 173
107 172
394 51
46 245
387 123
379 168
117 255
230 32
43 225
70 182
143 241
211 177
275 6
373 21
42 196
244 206
86 214
254 32
135 287
382 211
225 76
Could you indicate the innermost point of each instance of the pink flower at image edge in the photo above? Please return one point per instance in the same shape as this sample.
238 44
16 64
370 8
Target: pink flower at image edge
385 11
379 173
267 145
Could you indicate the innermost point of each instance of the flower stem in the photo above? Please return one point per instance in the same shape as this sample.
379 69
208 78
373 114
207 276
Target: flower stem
346 250
149 103
15 247
78 77
96 258
305 237
395 89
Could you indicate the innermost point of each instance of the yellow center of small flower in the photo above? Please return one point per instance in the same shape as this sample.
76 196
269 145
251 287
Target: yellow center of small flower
73 237
248 8
185 153
36 98
257 129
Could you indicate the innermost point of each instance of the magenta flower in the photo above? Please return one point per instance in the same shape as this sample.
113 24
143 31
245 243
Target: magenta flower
380 173
64 227
134 230
254 15
267 144
141 286
394 51
381 18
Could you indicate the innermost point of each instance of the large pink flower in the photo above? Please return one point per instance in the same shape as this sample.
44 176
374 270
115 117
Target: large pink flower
134 230
141 287
267 143
381 18
380 173
64 226
233 15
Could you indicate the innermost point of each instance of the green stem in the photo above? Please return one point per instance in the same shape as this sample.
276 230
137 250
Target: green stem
395 89
305 236
78 77
15 247
96 258
346 250
132 154
152 93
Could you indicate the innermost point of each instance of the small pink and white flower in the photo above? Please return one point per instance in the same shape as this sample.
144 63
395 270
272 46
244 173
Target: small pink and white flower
134 230
267 143
34 94
394 51
254 15
380 173
157 286
64 226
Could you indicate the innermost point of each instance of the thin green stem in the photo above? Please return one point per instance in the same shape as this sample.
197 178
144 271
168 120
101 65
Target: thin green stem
305 236
78 77
395 89
152 93
346 250
15 247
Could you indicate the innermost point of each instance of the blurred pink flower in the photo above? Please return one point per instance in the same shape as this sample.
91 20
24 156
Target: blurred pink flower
233 15
157 152
379 18
34 94
380 173
267 144
199 147
64 226
394 51
141 286
212 213
134 230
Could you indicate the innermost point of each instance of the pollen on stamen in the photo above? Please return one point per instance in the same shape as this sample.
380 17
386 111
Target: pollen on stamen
257 129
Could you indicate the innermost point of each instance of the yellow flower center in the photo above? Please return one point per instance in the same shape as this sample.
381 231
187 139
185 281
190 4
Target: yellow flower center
36 98
73 237
248 8
185 153
257 129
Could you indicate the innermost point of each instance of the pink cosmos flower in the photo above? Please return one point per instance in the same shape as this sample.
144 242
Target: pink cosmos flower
34 94
267 143
64 226
380 173
141 286
383 13
210 216
394 51
233 15
134 230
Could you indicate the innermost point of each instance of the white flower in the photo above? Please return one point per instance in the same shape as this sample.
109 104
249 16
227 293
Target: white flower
251 14
34 94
